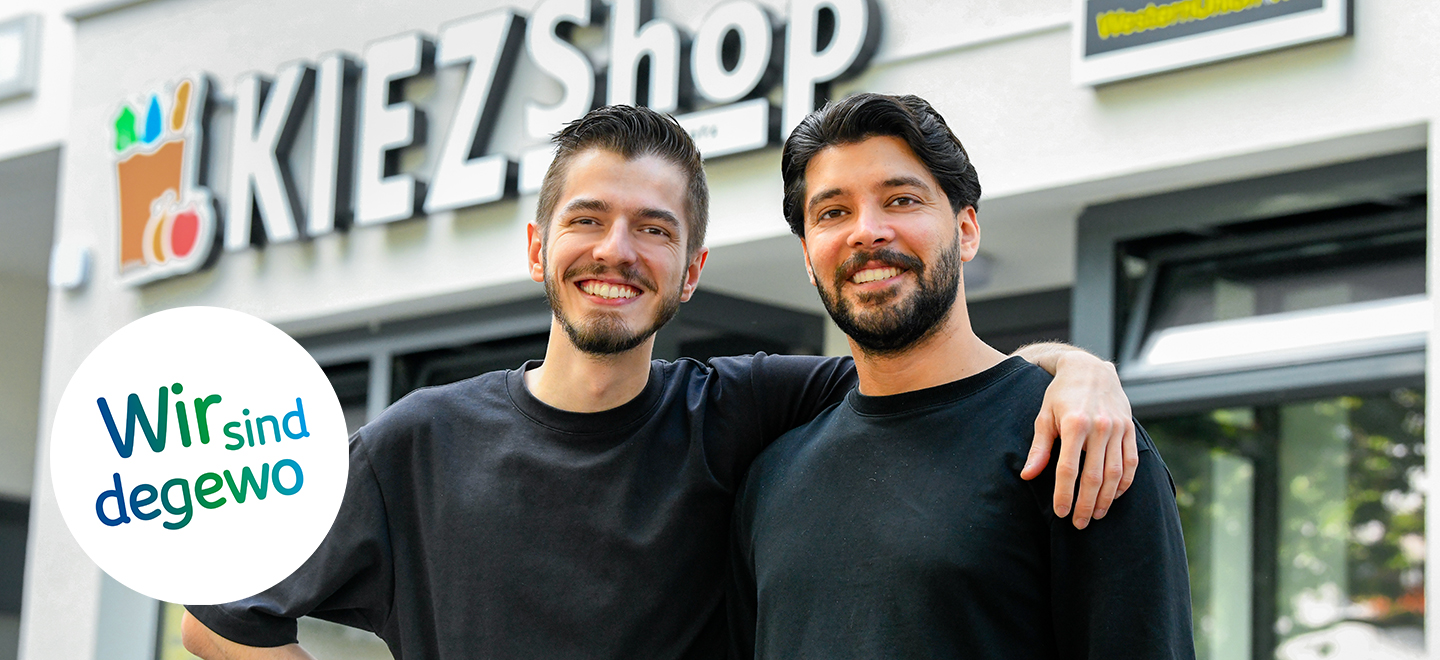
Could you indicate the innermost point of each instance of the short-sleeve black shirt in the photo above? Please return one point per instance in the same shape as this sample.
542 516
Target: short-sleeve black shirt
899 527
479 522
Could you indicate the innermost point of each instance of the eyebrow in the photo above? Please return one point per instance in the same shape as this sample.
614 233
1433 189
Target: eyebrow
661 215
602 206
586 204
896 182
900 181
822 196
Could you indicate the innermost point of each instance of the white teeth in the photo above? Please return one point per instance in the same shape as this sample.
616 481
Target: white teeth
873 274
611 291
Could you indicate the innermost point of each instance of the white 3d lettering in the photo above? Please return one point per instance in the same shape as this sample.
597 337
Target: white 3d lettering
716 82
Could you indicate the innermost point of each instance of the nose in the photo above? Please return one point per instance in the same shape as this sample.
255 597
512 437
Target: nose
870 229
618 246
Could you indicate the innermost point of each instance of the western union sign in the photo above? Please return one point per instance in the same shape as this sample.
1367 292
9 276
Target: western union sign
1119 39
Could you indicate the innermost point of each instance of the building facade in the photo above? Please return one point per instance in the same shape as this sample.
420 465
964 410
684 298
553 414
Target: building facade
1228 198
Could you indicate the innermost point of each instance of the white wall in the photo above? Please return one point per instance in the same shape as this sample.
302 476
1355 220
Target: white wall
40 121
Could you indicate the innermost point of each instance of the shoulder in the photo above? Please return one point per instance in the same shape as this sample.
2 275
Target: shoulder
1027 378
420 411
1151 462
1019 392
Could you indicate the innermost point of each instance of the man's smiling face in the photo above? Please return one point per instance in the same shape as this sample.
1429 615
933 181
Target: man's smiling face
614 262
882 245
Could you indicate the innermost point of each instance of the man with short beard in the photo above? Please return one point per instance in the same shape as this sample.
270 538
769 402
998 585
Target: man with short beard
847 541
579 507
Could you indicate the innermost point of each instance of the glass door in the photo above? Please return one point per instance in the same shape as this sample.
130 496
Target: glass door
1304 525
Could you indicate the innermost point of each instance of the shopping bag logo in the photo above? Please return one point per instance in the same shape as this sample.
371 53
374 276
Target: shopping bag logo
168 218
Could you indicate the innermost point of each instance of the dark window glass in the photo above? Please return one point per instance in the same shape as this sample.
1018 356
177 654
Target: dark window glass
448 365
352 386
1290 279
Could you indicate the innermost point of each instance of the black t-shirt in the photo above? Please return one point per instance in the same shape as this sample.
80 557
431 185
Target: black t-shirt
479 522
899 527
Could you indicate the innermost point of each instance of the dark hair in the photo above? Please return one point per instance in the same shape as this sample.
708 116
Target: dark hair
631 132
863 116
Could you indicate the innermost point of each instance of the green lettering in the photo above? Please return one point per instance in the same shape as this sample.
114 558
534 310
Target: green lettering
201 405
182 418
202 490
248 482
239 441
185 511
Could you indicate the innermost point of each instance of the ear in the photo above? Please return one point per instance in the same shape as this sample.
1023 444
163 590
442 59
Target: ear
692 274
809 270
969 233
535 251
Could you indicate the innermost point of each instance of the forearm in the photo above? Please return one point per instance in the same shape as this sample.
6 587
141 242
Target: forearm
204 642
1048 355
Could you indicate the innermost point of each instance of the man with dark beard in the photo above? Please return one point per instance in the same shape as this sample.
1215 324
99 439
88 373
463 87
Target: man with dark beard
579 507
847 540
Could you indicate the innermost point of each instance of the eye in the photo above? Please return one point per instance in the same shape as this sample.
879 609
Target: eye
904 200
657 231
584 221
831 214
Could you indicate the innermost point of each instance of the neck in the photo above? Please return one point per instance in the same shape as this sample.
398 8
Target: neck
952 352
576 381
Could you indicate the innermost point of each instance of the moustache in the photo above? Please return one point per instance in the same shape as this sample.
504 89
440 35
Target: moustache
887 256
629 274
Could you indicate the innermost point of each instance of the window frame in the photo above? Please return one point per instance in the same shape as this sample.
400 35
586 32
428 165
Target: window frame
1098 320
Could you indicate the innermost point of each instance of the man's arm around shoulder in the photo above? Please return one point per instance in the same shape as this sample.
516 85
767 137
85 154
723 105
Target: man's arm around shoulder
209 645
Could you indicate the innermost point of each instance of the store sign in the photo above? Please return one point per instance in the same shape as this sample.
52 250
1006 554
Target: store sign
717 82
1120 39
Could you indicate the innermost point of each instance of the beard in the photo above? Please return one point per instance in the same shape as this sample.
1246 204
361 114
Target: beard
891 326
606 333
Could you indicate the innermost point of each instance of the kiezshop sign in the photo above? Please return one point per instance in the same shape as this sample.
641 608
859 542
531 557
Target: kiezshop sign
717 81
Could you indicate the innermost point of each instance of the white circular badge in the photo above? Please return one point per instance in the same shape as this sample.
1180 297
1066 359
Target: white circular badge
199 455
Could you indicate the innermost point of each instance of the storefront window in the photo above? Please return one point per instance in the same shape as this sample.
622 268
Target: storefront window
1293 278
1304 525
440 366
351 383
1288 295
